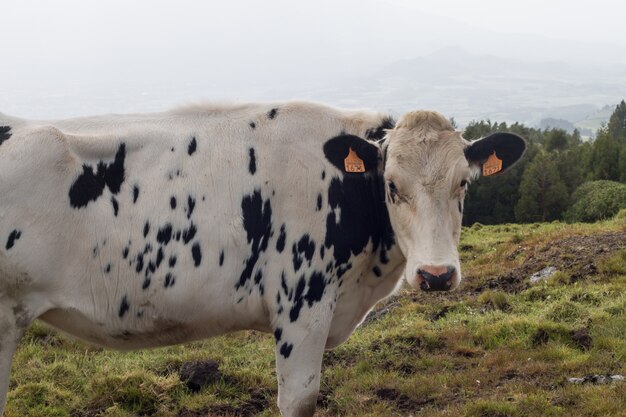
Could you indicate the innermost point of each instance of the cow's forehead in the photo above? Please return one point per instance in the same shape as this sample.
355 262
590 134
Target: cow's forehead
424 147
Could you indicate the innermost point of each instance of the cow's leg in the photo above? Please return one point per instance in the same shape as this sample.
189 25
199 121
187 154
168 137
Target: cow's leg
299 351
13 321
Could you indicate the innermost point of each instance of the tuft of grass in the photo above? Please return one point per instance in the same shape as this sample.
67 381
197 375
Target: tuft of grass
567 312
615 264
485 408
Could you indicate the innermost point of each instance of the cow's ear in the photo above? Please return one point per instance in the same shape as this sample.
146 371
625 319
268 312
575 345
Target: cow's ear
352 154
495 153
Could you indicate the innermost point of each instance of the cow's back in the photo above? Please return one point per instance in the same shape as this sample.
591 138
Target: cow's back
153 229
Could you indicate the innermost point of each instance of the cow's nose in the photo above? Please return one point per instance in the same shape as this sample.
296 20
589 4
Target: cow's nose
436 278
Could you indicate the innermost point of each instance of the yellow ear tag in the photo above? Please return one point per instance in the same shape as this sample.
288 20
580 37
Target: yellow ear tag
353 163
493 165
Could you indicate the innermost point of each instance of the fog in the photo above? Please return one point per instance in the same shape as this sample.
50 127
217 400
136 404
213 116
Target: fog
467 59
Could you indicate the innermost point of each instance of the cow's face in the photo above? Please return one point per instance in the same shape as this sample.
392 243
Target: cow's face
427 169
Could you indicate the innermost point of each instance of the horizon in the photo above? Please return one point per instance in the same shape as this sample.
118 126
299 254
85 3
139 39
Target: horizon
75 59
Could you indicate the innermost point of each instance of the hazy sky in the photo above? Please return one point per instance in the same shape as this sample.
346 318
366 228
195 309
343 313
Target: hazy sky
68 57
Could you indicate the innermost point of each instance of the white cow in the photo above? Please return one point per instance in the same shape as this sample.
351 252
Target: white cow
295 218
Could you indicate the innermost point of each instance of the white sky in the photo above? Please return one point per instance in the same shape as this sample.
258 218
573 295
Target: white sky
109 49
596 20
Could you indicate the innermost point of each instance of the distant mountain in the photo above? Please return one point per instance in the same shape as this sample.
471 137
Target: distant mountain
473 86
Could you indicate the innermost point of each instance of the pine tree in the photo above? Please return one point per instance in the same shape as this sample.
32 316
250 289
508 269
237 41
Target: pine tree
617 122
605 157
543 193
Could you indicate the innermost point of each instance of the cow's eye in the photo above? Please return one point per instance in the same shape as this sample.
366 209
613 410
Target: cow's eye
463 183
393 190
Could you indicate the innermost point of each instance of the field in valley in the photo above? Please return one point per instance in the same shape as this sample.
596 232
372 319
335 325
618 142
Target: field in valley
500 346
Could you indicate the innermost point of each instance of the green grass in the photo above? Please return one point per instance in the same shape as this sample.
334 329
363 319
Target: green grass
497 347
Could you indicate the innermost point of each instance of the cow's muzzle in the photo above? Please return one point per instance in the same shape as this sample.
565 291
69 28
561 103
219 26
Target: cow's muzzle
436 278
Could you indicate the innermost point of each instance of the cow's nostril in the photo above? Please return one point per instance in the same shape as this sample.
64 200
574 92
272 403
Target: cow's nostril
436 278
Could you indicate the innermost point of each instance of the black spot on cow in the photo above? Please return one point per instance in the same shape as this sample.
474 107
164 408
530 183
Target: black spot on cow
172 261
318 207
193 145
116 206
283 284
150 268
298 301
146 283
252 163
285 349
146 229
191 204
169 280
147 248
378 133
258 277
125 252
280 242
189 233
221 258
135 193
377 271
272 113
90 185
124 306
164 235
173 202
177 236
13 237
107 268
196 254
172 149
257 222
323 175
364 217
322 251
5 133
317 283
139 266
252 125
278 333
159 257
460 208
304 247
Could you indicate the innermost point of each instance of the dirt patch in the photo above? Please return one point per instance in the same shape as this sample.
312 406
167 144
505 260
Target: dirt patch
259 401
198 374
577 255
401 401
582 338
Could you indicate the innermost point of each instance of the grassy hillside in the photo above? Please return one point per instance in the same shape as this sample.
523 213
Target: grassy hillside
498 347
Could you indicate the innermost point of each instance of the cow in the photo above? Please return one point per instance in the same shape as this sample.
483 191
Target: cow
145 230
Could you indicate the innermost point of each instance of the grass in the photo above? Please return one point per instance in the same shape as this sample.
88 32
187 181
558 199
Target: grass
498 347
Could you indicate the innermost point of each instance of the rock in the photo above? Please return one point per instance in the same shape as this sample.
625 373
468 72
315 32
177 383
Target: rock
198 374
543 275
596 379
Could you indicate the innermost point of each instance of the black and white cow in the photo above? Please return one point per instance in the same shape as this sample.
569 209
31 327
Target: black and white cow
147 230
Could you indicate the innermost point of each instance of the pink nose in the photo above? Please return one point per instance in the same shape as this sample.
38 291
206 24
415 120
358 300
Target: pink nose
436 278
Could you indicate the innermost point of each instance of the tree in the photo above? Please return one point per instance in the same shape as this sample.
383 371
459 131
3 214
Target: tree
596 200
556 139
605 157
617 122
543 195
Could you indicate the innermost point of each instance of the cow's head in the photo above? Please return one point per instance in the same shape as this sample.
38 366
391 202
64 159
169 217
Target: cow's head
427 168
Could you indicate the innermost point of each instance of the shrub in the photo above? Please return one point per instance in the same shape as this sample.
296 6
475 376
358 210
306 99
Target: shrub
596 200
